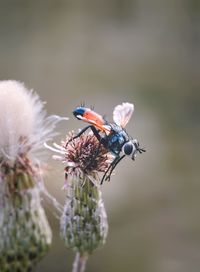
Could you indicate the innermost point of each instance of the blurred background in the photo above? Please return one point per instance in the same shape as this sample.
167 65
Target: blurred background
146 52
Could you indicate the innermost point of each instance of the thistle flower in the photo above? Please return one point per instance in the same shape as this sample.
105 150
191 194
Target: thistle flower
25 235
84 224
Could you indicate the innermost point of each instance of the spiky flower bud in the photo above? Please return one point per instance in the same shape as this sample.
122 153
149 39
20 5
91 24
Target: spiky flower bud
84 224
25 235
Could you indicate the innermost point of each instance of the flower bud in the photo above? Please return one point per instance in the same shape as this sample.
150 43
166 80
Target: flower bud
84 224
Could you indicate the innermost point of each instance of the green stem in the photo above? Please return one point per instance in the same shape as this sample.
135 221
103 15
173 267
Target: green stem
79 262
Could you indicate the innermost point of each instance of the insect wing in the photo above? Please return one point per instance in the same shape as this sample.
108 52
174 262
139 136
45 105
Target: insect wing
122 114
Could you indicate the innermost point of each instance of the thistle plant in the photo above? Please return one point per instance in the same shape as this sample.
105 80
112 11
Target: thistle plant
25 235
83 223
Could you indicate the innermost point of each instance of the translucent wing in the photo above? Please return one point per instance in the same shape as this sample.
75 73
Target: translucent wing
122 114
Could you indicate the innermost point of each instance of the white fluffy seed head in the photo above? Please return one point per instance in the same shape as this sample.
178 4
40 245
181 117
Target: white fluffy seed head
23 122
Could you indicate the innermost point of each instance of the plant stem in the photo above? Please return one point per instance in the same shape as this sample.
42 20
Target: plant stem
79 262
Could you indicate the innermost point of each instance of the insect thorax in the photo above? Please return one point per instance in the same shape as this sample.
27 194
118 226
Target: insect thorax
116 139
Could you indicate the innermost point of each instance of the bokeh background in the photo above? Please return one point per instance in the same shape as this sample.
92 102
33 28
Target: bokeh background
105 53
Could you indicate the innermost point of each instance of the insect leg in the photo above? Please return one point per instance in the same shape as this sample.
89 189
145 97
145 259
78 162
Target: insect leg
100 139
81 132
111 168
101 142
96 133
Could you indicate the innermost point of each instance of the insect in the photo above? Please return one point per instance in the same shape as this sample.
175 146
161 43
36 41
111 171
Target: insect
112 136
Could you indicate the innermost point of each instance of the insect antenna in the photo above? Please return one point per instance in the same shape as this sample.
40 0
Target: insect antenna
140 150
82 104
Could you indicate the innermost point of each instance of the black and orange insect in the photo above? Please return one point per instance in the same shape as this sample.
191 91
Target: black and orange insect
111 135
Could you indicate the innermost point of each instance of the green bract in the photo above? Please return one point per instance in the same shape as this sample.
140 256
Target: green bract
25 235
84 223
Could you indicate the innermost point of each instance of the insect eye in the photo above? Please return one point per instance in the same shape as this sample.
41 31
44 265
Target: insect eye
128 148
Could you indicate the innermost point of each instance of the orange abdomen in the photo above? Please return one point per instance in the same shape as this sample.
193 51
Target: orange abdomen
95 119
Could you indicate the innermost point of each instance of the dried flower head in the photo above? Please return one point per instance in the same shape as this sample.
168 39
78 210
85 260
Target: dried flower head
82 156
